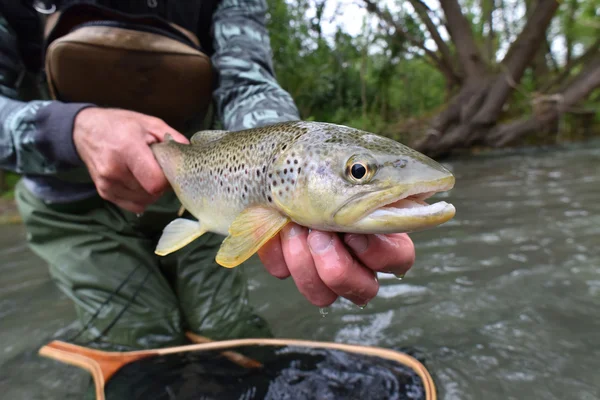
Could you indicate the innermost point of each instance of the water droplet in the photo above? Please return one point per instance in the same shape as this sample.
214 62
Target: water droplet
399 276
324 311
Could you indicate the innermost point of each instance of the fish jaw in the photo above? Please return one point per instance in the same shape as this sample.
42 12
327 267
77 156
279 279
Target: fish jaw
398 209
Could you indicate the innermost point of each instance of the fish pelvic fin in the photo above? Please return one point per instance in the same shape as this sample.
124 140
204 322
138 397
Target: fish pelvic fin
177 234
254 227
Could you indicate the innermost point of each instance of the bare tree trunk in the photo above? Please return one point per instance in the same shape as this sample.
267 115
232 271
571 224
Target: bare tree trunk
578 89
461 34
477 107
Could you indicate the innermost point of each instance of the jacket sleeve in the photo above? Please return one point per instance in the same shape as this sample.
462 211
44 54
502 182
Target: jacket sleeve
35 136
248 94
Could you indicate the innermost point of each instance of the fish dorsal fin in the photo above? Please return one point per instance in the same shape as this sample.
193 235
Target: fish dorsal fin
179 233
252 228
203 137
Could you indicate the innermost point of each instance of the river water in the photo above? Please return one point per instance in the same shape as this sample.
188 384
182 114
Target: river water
503 301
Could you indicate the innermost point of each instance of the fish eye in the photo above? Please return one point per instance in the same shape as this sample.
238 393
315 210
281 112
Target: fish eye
360 169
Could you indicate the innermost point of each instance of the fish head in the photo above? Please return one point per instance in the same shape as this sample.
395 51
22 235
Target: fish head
347 180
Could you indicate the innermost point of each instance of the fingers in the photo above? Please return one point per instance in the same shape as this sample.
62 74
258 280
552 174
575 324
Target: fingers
393 253
272 257
128 205
146 171
339 270
299 261
159 129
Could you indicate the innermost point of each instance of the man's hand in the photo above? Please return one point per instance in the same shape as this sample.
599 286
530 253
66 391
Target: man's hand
324 268
114 145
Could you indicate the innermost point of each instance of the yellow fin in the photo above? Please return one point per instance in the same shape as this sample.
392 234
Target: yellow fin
181 211
177 234
248 233
207 136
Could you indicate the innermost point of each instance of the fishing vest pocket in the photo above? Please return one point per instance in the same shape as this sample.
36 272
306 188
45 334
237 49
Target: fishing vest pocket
140 63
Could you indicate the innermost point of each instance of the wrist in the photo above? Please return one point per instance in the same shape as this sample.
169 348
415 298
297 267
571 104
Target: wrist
55 124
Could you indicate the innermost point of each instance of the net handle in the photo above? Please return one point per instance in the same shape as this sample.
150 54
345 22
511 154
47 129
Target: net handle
102 364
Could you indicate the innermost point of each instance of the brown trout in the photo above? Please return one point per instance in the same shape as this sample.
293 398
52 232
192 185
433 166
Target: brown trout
249 184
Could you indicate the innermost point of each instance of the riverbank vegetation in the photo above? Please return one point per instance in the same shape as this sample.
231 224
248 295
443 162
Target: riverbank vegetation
447 75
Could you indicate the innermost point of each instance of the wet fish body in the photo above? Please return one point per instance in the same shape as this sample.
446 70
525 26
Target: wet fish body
249 184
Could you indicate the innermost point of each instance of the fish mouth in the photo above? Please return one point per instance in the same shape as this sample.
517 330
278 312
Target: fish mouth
397 209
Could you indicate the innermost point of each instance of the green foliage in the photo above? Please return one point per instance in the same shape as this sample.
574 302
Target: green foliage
378 79
336 80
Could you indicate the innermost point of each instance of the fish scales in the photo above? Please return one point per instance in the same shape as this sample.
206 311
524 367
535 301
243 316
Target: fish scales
226 175
248 184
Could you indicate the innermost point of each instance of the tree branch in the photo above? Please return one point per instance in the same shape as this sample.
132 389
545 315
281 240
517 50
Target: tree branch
520 54
586 56
422 10
462 37
403 35
578 89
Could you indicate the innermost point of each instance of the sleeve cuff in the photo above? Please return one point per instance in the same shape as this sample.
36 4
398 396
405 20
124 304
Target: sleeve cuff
54 124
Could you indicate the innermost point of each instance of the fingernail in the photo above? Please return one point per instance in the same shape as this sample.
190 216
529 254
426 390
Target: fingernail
399 276
319 242
294 230
358 243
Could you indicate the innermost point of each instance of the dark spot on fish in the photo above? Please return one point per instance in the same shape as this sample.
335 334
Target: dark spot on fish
228 190
299 169
258 172
295 161
270 175
264 169
293 181
245 188
274 183
288 161
280 192
270 199
399 163
285 171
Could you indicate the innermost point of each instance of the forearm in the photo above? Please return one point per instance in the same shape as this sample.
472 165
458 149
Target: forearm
35 136
248 94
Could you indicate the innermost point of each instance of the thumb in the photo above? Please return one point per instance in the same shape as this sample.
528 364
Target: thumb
160 131
178 137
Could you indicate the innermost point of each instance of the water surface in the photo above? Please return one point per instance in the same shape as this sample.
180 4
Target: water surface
503 301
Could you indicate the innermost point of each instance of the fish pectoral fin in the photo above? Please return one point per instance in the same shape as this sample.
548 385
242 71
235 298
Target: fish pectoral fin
248 233
202 137
178 234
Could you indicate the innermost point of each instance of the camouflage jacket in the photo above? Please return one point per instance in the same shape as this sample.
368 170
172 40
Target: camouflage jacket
36 136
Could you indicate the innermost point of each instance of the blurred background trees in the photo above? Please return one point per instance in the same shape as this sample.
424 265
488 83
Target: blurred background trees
444 75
